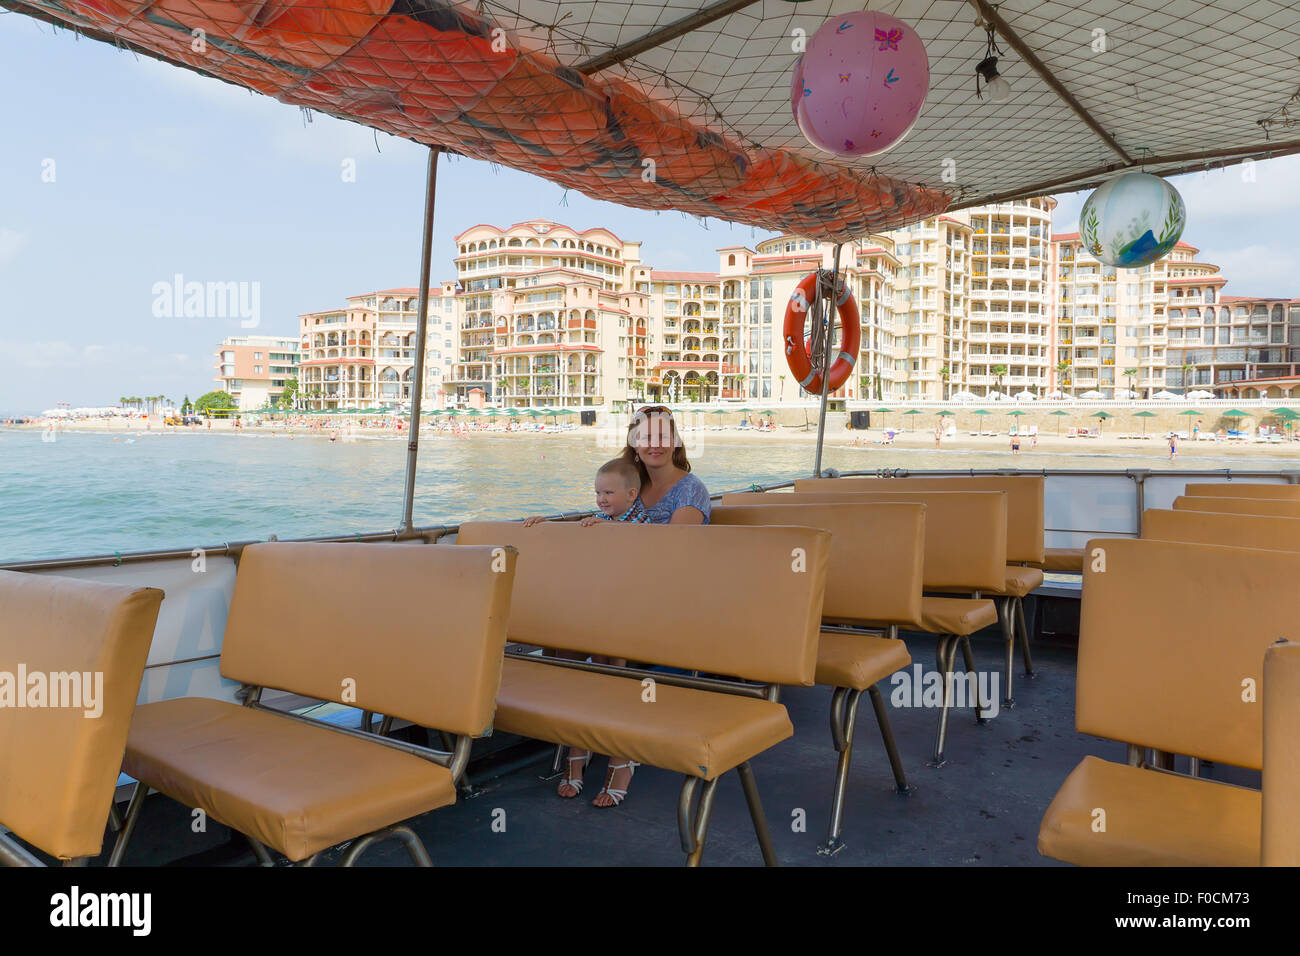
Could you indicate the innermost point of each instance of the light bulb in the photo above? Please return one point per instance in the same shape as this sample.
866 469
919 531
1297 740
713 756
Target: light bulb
999 89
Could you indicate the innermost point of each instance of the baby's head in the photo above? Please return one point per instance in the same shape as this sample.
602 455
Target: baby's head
617 485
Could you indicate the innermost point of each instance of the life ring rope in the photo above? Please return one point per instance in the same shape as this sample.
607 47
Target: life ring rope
799 359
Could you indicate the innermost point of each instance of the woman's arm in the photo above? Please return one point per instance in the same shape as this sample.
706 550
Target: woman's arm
687 514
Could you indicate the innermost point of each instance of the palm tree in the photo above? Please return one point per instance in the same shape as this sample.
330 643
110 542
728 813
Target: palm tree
944 372
1063 370
1187 375
782 378
1130 374
740 379
998 372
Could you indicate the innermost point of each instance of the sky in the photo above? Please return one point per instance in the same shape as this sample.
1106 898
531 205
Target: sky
119 173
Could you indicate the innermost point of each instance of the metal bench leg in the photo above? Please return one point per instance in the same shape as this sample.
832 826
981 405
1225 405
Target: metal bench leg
756 813
13 853
844 716
128 825
887 735
259 851
414 847
1005 613
693 821
968 658
557 764
945 653
1024 642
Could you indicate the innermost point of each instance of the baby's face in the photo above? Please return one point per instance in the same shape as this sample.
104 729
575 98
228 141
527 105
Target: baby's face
612 497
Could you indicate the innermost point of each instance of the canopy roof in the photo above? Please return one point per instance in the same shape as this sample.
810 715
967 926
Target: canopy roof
583 93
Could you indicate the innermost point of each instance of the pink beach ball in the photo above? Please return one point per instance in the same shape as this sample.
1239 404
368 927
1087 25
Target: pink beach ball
859 87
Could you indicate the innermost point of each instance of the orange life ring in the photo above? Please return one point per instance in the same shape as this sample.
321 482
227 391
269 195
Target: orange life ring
800 359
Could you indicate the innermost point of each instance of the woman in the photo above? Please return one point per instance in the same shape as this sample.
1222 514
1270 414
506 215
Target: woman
670 494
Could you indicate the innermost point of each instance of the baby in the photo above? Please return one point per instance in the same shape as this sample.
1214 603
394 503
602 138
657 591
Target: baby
618 490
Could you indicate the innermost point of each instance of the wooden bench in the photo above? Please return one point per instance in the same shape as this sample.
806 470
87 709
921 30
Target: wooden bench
1274 507
1236 531
1243 489
1025 551
745 603
61 763
1171 657
965 550
865 592
418 635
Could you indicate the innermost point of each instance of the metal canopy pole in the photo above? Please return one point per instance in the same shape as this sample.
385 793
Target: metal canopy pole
421 325
829 308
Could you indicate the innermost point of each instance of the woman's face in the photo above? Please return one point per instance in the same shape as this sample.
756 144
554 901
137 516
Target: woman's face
653 436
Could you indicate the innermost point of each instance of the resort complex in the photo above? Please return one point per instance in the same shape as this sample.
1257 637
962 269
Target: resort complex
981 303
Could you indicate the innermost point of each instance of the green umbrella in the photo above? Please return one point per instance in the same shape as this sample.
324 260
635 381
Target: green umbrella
452 412
566 411
1017 411
1058 412
1144 415
534 412
1285 412
981 412
1191 411
945 412
513 411
1102 415
473 412
1235 413
492 412
912 411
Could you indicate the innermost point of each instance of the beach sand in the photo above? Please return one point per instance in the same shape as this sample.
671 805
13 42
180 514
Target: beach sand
1153 448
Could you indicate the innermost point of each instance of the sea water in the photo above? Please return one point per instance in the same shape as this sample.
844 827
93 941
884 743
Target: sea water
94 493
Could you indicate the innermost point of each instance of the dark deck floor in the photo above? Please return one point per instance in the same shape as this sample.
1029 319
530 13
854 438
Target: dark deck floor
983 807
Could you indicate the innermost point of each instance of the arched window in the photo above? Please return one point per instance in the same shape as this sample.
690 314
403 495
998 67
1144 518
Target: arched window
731 259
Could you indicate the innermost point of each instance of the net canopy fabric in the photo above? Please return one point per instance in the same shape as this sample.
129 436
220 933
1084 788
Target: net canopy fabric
667 104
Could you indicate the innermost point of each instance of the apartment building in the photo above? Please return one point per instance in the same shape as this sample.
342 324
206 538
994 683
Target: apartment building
548 316
255 368
363 355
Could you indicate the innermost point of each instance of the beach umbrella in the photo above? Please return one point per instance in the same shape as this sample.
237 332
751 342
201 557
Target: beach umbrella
513 411
491 412
981 412
473 412
1144 415
945 412
912 411
1285 412
1235 413
1102 415
534 412
1059 412
1191 411
1017 411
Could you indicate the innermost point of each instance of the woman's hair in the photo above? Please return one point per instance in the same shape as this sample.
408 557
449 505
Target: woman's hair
662 429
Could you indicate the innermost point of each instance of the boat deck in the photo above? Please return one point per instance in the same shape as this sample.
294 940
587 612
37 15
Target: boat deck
982 807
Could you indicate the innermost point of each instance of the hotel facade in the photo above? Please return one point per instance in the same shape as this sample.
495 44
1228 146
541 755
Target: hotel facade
973 304
254 369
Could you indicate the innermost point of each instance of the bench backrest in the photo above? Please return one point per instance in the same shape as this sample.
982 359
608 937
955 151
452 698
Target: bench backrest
1241 489
744 602
1278 508
59 764
1171 644
877 550
412 631
1280 831
1024 502
1234 531
965 532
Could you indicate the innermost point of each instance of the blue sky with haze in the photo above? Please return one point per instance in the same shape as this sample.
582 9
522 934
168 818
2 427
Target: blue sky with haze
158 171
